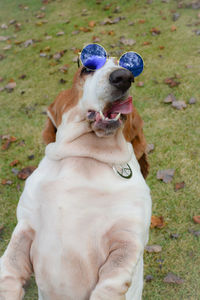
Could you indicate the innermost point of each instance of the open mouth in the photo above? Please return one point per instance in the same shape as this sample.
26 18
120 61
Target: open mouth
112 116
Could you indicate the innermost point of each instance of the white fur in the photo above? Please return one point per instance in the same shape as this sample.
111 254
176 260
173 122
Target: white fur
69 205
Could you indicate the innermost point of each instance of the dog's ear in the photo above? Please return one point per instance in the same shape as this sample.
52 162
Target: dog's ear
49 132
133 133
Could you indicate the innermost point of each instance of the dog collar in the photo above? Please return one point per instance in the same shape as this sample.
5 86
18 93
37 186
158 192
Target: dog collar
124 170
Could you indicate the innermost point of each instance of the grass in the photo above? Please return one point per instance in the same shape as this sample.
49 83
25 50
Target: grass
174 133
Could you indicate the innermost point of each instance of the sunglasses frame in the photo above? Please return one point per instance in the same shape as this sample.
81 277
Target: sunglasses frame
107 57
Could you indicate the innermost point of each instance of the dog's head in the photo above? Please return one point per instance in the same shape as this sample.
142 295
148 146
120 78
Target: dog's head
101 99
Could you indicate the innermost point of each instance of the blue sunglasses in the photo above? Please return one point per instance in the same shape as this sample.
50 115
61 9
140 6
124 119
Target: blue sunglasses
94 56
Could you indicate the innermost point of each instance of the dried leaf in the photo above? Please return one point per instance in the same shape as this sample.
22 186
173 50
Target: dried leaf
9 139
162 47
171 82
175 17
28 43
172 278
10 86
157 222
192 100
14 163
30 157
63 81
96 39
127 42
3 38
196 219
146 43
149 278
194 232
180 105
6 182
150 148
7 47
153 248
26 172
91 24
60 33
142 21
174 235
4 26
173 28
179 185
170 98
165 175
111 32
64 68
155 31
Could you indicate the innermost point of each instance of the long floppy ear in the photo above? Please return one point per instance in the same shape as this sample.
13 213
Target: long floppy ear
49 132
133 133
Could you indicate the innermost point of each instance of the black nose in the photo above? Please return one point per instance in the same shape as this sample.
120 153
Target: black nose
121 79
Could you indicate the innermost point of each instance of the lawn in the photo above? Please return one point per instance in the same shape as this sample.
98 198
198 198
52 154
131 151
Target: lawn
167 35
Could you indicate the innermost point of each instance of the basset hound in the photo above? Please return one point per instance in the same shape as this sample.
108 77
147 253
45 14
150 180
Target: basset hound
84 214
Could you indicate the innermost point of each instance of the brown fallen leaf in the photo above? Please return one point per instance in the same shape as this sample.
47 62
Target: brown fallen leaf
26 172
107 6
173 28
64 68
157 222
142 21
14 162
196 219
96 39
165 175
8 140
153 248
6 182
179 185
172 278
155 31
172 82
146 43
162 47
180 105
111 32
91 24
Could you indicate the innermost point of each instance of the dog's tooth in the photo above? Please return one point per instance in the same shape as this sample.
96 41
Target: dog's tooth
102 115
117 117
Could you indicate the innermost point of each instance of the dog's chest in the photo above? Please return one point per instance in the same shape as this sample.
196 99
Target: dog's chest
76 204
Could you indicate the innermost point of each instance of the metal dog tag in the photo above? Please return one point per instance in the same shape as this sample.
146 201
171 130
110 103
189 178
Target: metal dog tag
123 170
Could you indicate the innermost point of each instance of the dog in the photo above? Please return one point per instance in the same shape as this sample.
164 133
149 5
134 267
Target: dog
84 214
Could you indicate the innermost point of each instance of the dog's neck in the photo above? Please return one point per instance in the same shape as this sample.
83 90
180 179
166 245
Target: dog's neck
77 140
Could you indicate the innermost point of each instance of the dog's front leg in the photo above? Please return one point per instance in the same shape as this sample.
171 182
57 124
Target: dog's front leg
115 276
15 265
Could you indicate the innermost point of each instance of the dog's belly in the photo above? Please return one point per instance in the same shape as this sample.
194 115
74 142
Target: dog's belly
70 243
71 212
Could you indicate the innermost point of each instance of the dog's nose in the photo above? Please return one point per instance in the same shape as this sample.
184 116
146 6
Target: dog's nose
121 79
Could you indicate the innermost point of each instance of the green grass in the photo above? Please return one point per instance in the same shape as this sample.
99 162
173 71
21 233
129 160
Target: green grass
174 133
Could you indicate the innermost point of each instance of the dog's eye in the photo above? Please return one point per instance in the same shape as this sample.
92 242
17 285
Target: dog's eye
86 71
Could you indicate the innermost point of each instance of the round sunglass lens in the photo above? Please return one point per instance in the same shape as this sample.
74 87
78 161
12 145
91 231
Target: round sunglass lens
133 62
93 56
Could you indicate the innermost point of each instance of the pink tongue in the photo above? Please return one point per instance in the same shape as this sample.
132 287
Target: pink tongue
123 107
